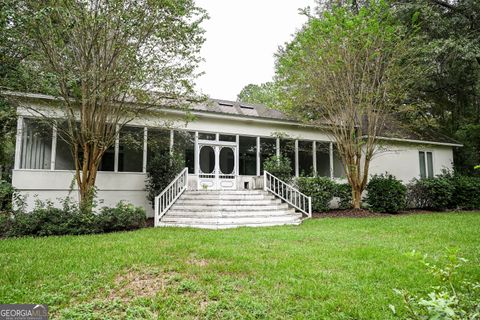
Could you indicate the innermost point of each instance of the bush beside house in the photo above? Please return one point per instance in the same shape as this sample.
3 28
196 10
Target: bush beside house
47 220
321 189
385 193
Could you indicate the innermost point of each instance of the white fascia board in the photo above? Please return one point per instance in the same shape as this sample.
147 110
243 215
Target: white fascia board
420 141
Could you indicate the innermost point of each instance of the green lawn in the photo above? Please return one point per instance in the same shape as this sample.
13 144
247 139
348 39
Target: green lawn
326 268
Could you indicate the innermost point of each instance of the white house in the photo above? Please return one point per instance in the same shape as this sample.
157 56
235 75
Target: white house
225 147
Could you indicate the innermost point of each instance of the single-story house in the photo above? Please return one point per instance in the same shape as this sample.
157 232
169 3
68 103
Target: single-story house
225 148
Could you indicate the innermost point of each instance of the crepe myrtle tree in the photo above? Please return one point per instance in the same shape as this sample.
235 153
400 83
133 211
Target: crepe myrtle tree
339 72
104 55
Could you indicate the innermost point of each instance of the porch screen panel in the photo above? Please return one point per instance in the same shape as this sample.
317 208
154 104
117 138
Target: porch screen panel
248 156
63 155
158 143
184 144
338 169
36 150
287 149
305 158
130 153
323 159
268 148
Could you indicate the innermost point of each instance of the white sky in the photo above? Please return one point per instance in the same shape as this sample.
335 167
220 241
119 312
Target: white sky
241 39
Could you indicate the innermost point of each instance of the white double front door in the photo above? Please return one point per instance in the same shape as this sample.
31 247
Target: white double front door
217 166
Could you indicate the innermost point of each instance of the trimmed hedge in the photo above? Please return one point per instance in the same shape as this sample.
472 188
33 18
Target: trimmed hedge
321 189
46 220
385 193
431 193
466 192
344 194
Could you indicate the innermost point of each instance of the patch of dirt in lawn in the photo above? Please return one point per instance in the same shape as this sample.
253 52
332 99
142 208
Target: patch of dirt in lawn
350 213
198 262
139 284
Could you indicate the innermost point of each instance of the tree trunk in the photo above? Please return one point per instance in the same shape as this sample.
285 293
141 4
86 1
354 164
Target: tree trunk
356 198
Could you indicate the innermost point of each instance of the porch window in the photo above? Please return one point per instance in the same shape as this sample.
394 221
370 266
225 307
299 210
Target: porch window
108 160
338 169
268 147
63 155
248 156
287 149
323 159
426 164
227 138
207 136
130 153
184 143
36 150
158 142
305 158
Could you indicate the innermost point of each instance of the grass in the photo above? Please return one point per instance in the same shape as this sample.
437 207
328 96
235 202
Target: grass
326 268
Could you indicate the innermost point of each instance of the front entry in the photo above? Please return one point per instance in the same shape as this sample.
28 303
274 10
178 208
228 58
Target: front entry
217 166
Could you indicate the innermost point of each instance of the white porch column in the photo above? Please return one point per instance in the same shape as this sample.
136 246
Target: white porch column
171 141
258 156
54 147
145 149
197 155
331 159
237 155
18 143
297 172
117 149
278 147
314 150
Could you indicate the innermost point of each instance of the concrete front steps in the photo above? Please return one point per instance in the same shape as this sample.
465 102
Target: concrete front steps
229 209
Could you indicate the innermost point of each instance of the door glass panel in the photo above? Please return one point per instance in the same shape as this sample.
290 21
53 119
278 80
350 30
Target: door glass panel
229 138
207 136
207 159
227 160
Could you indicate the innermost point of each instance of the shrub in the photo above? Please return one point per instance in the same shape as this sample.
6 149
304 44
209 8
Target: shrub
122 217
430 193
6 195
280 167
161 170
386 194
466 194
46 220
343 192
321 189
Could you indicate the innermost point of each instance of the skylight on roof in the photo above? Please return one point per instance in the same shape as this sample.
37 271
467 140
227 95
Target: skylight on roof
225 104
246 107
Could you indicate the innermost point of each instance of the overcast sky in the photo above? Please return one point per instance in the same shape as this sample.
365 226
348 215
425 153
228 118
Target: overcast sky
242 37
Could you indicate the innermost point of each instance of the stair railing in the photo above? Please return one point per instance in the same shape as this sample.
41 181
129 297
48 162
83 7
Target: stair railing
170 194
287 193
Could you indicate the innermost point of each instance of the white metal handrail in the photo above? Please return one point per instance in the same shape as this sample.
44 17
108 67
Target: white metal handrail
287 193
170 194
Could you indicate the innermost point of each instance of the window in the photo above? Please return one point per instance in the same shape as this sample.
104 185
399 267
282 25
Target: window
63 155
36 150
426 164
248 156
268 148
158 142
108 160
130 153
207 136
305 158
287 149
228 138
338 168
323 159
184 143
